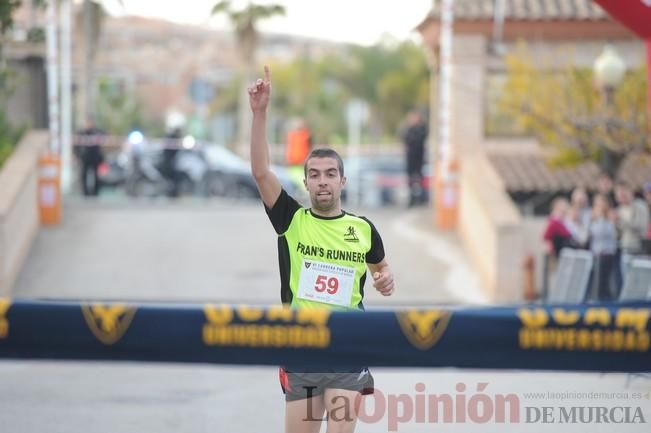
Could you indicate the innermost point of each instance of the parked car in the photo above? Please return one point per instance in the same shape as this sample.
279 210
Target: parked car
205 169
379 180
228 175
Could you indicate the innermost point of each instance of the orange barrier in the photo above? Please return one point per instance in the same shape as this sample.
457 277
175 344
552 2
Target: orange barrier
49 189
446 199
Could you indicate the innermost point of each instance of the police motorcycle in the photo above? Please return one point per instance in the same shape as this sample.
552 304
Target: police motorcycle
149 174
143 177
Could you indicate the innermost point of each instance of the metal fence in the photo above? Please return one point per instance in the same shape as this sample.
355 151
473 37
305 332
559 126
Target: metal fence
578 276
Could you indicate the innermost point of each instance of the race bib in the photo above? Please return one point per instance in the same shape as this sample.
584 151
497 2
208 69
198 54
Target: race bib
326 282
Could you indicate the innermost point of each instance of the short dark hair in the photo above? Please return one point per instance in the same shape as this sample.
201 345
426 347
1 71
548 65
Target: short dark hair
624 184
325 152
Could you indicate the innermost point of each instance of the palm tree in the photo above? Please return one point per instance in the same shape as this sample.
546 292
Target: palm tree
244 22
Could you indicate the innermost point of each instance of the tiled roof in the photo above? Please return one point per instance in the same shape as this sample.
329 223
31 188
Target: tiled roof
531 173
525 10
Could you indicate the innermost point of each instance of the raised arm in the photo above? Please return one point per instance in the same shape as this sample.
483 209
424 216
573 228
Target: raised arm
268 184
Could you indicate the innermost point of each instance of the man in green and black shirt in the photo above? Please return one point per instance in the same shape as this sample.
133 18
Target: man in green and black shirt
323 253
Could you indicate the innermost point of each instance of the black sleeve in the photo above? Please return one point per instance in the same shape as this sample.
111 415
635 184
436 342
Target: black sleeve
376 253
282 212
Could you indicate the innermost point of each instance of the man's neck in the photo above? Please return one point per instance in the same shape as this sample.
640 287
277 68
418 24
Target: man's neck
327 214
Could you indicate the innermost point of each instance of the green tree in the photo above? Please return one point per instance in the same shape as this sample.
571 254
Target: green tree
302 89
9 135
118 112
391 79
403 87
7 8
567 114
244 22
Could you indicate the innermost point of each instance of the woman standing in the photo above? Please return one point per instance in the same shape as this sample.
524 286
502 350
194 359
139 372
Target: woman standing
603 244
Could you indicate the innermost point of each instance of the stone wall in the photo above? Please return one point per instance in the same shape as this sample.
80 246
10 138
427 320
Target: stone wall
19 218
492 230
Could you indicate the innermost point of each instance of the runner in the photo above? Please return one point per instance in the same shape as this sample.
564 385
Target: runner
323 254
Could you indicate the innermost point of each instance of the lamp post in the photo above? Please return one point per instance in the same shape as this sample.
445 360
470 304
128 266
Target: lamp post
609 70
446 200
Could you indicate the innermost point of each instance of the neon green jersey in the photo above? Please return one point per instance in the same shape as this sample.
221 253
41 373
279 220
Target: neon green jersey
323 259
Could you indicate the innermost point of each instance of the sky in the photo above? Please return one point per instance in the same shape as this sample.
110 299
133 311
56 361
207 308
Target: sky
357 21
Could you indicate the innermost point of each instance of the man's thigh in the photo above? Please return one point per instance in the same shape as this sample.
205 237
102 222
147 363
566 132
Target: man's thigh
304 415
342 407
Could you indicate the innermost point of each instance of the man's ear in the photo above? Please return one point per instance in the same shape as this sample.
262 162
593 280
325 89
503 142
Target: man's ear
343 180
305 183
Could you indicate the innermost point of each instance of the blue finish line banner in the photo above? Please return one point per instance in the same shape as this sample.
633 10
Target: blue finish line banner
603 337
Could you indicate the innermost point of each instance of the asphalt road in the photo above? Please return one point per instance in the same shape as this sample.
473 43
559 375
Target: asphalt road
225 251
220 250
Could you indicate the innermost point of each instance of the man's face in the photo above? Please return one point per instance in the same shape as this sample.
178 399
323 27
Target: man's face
579 198
623 195
324 183
414 118
604 184
560 209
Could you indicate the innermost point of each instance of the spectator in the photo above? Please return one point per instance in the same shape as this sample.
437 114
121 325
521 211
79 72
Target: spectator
647 197
605 186
172 145
88 149
556 235
603 244
578 217
632 223
414 138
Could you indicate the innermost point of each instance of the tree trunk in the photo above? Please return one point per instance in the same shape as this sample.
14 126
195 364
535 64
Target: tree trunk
247 45
610 161
243 136
91 22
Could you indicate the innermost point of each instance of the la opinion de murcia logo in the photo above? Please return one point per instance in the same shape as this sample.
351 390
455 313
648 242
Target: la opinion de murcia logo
108 323
423 329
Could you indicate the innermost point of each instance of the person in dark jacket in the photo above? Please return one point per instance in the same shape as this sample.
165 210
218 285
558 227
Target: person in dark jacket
169 170
414 137
88 148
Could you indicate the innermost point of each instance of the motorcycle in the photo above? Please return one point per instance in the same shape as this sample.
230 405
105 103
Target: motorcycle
149 174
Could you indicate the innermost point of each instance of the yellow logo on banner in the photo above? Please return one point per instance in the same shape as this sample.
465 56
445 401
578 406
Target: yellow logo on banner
4 323
597 329
108 322
284 327
424 329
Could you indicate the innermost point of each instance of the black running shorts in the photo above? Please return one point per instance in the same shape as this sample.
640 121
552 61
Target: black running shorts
298 386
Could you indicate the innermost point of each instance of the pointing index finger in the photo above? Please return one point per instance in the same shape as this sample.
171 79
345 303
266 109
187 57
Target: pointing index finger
267 74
